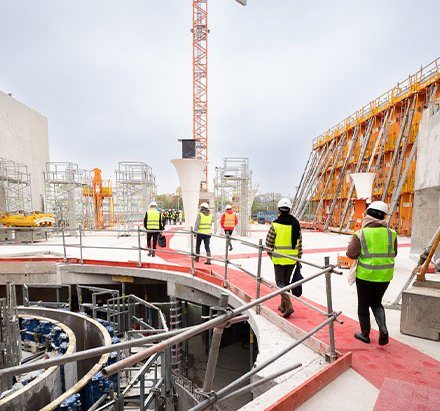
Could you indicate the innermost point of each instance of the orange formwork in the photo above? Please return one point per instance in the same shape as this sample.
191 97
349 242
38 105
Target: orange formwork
377 138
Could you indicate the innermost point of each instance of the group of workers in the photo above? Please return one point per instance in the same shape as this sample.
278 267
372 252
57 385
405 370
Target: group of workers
374 248
172 216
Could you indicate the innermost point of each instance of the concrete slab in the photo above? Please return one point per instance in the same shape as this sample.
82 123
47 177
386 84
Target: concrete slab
420 309
347 392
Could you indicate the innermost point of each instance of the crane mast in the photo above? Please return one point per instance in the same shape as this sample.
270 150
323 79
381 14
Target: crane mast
200 83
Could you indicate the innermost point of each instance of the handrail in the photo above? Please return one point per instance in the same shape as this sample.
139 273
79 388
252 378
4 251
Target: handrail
410 85
165 339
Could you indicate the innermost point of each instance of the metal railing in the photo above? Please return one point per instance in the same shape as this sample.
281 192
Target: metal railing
166 339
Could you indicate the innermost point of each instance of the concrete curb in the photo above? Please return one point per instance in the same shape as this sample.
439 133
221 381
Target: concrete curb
306 390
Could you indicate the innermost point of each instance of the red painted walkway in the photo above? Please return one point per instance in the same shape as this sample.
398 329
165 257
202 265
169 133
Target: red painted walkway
395 360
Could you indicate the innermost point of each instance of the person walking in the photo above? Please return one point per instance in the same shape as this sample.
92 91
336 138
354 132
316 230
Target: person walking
284 237
154 225
203 229
375 248
228 221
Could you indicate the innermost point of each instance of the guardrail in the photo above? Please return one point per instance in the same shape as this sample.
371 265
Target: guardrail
166 339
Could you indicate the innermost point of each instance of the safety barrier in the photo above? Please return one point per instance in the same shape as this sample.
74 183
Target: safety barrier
166 339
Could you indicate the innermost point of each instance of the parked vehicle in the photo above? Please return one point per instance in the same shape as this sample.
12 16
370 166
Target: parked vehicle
267 216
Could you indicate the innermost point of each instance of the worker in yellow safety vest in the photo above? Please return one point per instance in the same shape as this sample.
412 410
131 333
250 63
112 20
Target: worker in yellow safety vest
374 247
228 221
154 225
284 237
203 229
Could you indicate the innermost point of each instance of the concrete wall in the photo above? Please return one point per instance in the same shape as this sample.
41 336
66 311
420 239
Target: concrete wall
426 214
24 139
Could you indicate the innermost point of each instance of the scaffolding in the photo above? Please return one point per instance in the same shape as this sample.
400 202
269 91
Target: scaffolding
135 189
10 349
15 186
65 189
380 138
233 185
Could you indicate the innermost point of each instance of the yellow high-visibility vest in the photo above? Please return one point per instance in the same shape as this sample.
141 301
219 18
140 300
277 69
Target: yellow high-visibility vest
205 224
153 219
283 244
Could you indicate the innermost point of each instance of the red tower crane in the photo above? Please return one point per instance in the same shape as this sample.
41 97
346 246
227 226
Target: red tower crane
200 33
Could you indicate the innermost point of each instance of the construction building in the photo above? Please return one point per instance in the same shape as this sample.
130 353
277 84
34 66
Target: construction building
381 138
24 152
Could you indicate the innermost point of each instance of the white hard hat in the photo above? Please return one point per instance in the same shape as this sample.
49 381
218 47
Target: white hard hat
204 205
379 206
153 204
228 207
284 202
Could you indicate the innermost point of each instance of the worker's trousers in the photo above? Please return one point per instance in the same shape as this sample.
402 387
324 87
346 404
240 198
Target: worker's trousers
370 294
283 274
152 236
206 238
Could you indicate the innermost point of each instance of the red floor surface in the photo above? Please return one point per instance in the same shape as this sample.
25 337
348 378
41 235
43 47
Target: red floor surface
395 360
398 395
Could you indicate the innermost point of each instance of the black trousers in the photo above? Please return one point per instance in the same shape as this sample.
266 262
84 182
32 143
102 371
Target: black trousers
152 236
229 232
370 294
206 238
283 274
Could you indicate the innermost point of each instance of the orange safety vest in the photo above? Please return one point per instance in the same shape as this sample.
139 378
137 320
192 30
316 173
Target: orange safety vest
229 221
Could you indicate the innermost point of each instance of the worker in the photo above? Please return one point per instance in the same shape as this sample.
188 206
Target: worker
374 247
284 237
164 216
203 229
228 222
154 225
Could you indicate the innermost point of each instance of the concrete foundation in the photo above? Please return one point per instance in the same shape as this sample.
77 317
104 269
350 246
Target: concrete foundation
420 308
427 183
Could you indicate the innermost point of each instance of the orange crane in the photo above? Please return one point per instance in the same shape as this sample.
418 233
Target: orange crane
200 33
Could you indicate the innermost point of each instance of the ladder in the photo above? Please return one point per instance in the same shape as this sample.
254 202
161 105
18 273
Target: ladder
341 177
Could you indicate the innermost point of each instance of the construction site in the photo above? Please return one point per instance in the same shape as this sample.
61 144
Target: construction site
94 316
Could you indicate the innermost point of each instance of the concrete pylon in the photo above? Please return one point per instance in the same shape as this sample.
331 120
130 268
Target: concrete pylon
363 183
189 171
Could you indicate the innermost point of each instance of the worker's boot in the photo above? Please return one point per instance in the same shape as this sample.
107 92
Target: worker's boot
153 253
196 259
379 315
208 260
364 335
230 247
282 307
288 306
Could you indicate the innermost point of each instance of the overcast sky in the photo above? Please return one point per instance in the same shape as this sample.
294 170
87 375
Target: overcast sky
114 77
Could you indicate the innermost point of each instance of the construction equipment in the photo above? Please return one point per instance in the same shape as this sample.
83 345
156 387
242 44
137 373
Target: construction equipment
33 219
100 192
379 138
200 33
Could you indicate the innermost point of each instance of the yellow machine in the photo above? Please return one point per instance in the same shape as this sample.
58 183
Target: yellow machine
32 219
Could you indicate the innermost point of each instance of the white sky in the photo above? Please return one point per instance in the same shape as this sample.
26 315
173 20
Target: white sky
114 77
